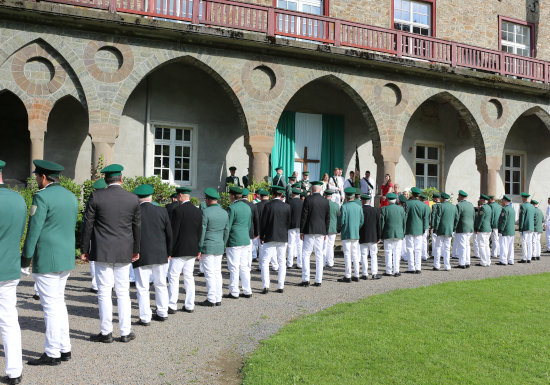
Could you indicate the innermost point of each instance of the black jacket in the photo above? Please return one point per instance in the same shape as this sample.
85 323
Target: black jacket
296 205
112 222
370 231
255 229
156 236
171 207
275 222
186 230
260 206
315 218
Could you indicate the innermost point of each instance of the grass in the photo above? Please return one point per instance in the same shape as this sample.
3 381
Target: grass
494 331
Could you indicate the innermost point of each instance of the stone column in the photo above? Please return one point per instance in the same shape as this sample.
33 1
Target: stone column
38 111
103 139
386 163
261 149
493 168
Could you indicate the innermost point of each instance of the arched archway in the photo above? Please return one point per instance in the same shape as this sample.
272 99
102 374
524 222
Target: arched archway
185 124
442 147
14 138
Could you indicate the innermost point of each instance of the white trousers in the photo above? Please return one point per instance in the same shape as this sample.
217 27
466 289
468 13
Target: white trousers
463 250
176 267
51 287
143 275
403 248
201 265
392 252
443 248
255 243
294 249
313 242
527 245
425 245
372 250
92 273
115 275
414 250
495 247
506 249
9 327
454 252
329 250
476 246
274 250
536 244
547 236
132 275
238 263
484 248
434 242
213 275
351 256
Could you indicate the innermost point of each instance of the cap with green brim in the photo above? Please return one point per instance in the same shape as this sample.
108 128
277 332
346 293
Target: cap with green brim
99 184
423 196
483 196
277 188
183 190
245 192
45 167
329 192
2 165
436 195
235 190
291 178
491 196
391 196
365 197
317 183
174 195
402 199
507 198
212 193
303 193
462 193
358 191
445 196
416 191
112 170
534 202
263 192
297 191
305 173
144 190
349 191
278 168
232 168
525 195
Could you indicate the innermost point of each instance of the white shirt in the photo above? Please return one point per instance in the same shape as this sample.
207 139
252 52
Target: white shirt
348 183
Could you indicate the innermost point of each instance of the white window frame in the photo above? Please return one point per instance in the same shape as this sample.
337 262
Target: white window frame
410 22
523 159
150 150
513 45
426 161
293 24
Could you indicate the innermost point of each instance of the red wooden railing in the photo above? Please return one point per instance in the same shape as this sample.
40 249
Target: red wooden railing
327 30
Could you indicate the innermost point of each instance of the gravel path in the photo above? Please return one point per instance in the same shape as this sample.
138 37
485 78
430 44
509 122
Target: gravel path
208 346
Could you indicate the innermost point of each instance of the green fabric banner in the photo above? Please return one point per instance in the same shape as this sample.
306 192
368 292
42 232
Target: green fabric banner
332 154
283 149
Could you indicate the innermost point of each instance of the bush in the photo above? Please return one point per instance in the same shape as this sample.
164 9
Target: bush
163 190
195 201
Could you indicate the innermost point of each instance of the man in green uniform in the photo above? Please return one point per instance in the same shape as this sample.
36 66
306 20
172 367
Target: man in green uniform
305 184
215 228
436 199
526 227
464 227
13 215
507 232
351 220
237 241
495 216
538 229
418 219
332 229
482 228
50 246
392 222
443 226
232 179
279 179
288 188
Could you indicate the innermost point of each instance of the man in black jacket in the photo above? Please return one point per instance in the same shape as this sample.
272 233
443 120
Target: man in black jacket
314 224
294 249
255 229
112 223
175 203
186 230
156 244
369 236
264 199
274 235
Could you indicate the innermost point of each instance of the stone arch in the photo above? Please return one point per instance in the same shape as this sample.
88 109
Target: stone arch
540 113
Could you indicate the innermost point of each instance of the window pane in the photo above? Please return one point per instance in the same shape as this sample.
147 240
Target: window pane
165 175
177 163
420 183
420 169
432 182
516 189
166 162
186 151
506 188
178 150
179 134
157 162
517 161
185 164
156 171
507 176
166 150
433 153
432 170
420 152
516 176
166 134
185 175
157 149
177 175
507 161
187 135
158 133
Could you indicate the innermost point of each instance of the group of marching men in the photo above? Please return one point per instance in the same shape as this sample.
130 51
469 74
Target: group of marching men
123 231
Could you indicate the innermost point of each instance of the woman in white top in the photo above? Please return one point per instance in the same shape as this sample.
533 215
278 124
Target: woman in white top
324 179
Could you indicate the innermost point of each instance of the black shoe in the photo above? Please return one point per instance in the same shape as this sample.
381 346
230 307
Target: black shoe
265 290
246 295
397 275
461 267
92 290
132 284
15 380
65 356
159 318
522 261
467 266
128 337
479 264
501 264
143 323
280 291
229 295
187 310
317 284
387 275
304 284
411 272
328 267
364 277
206 303
171 311
355 279
218 303
418 272
200 274
45 360
435 269
376 276
344 279
108 338
36 297
528 261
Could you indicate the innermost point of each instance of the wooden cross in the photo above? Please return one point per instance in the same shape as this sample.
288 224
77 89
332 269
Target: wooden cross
305 161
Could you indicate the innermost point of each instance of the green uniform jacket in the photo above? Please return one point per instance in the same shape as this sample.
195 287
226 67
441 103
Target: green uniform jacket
527 217
393 221
358 202
433 214
507 221
351 220
539 219
444 221
13 216
306 185
464 221
50 241
418 217
483 219
334 217
215 226
240 222
279 180
495 214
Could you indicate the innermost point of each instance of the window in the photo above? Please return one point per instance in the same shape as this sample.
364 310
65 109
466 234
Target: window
512 174
173 154
515 38
308 6
413 16
427 164
300 26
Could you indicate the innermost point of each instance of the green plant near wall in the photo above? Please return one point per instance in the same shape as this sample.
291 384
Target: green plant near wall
163 190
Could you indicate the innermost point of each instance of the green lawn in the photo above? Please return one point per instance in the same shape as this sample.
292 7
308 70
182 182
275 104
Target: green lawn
494 331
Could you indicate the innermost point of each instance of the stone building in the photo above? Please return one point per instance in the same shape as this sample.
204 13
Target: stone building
444 93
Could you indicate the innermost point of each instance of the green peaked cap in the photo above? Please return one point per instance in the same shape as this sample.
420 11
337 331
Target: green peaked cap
263 192
402 198
99 184
483 196
462 193
46 167
212 193
329 191
506 197
445 196
350 191
534 202
416 191
246 192
113 170
2 165
144 190
183 190
391 196
524 194
365 197
235 190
